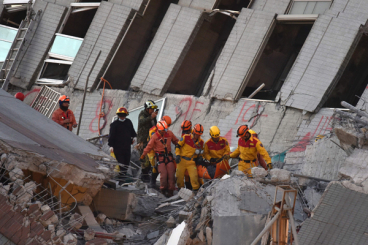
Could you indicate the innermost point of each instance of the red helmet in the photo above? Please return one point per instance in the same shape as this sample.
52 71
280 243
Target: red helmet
19 96
167 119
161 125
242 130
64 98
186 125
198 129
122 110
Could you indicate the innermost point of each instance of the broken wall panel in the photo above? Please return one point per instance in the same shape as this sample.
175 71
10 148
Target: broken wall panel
273 6
199 4
320 63
32 60
103 35
239 53
167 50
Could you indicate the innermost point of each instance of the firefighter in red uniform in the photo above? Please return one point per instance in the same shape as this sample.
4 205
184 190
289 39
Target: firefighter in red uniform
160 142
63 115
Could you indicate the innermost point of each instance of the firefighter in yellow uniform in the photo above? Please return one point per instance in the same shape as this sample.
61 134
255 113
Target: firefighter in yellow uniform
217 152
248 148
152 155
189 148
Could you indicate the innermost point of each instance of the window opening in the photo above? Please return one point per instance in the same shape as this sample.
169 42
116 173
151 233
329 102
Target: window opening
133 47
277 59
79 19
7 35
309 6
354 79
204 51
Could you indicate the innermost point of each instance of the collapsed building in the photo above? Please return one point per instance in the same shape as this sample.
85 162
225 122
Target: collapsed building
202 61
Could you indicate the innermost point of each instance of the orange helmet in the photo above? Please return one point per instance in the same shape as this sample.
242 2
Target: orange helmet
198 129
162 125
64 98
242 130
186 125
122 110
167 119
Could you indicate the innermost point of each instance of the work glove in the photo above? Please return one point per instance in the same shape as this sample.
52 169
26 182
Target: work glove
142 159
177 158
226 157
111 149
269 166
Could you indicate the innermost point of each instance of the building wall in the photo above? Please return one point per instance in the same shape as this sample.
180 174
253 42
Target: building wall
104 34
39 44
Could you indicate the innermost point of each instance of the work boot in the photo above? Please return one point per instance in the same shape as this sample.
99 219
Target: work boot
163 192
170 193
188 185
153 180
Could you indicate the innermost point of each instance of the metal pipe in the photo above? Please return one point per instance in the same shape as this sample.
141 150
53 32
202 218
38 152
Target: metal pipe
85 92
310 177
267 227
354 109
293 227
256 91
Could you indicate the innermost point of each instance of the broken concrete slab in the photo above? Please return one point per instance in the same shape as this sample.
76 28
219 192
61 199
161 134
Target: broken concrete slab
89 234
184 215
280 175
171 223
186 194
89 218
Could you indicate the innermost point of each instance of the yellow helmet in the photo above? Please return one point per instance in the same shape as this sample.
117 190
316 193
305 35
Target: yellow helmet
251 131
214 132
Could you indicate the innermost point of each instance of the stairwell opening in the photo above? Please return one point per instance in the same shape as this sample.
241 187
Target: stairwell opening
354 79
205 50
135 44
277 59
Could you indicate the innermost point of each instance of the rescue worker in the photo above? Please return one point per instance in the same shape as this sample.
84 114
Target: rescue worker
146 119
152 155
260 160
63 115
217 152
248 148
160 142
186 128
121 137
189 147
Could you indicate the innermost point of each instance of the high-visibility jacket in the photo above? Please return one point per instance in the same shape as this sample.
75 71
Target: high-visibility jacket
216 150
160 143
59 116
187 146
247 151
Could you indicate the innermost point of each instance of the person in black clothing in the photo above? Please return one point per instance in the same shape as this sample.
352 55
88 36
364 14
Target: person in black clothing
121 137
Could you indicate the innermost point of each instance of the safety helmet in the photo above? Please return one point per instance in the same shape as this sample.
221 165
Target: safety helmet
19 96
64 98
186 125
198 129
214 132
150 105
122 110
167 119
161 125
253 133
242 130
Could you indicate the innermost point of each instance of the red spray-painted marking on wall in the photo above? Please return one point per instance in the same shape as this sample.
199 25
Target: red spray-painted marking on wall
108 103
36 90
323 128
244 119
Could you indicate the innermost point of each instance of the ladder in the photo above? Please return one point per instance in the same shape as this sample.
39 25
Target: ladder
18 46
